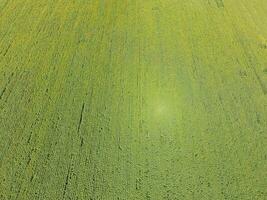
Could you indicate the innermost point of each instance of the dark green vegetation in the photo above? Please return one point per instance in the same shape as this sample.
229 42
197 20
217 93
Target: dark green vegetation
133 99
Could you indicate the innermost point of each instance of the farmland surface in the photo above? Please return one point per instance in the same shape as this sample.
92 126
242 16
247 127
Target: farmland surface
133 99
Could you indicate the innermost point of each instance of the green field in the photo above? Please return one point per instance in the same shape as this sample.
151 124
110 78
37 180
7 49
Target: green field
133 99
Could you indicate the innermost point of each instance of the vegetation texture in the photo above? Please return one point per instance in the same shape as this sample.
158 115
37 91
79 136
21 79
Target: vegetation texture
133 99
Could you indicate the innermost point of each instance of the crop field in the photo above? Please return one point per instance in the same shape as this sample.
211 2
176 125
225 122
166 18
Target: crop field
133 100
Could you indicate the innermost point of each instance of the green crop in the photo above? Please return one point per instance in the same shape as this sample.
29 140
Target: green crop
133 99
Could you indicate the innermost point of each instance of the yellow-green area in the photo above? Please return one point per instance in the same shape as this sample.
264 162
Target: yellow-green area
133 99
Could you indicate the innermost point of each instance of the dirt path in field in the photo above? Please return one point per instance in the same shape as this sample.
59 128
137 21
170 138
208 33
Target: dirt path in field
133 100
